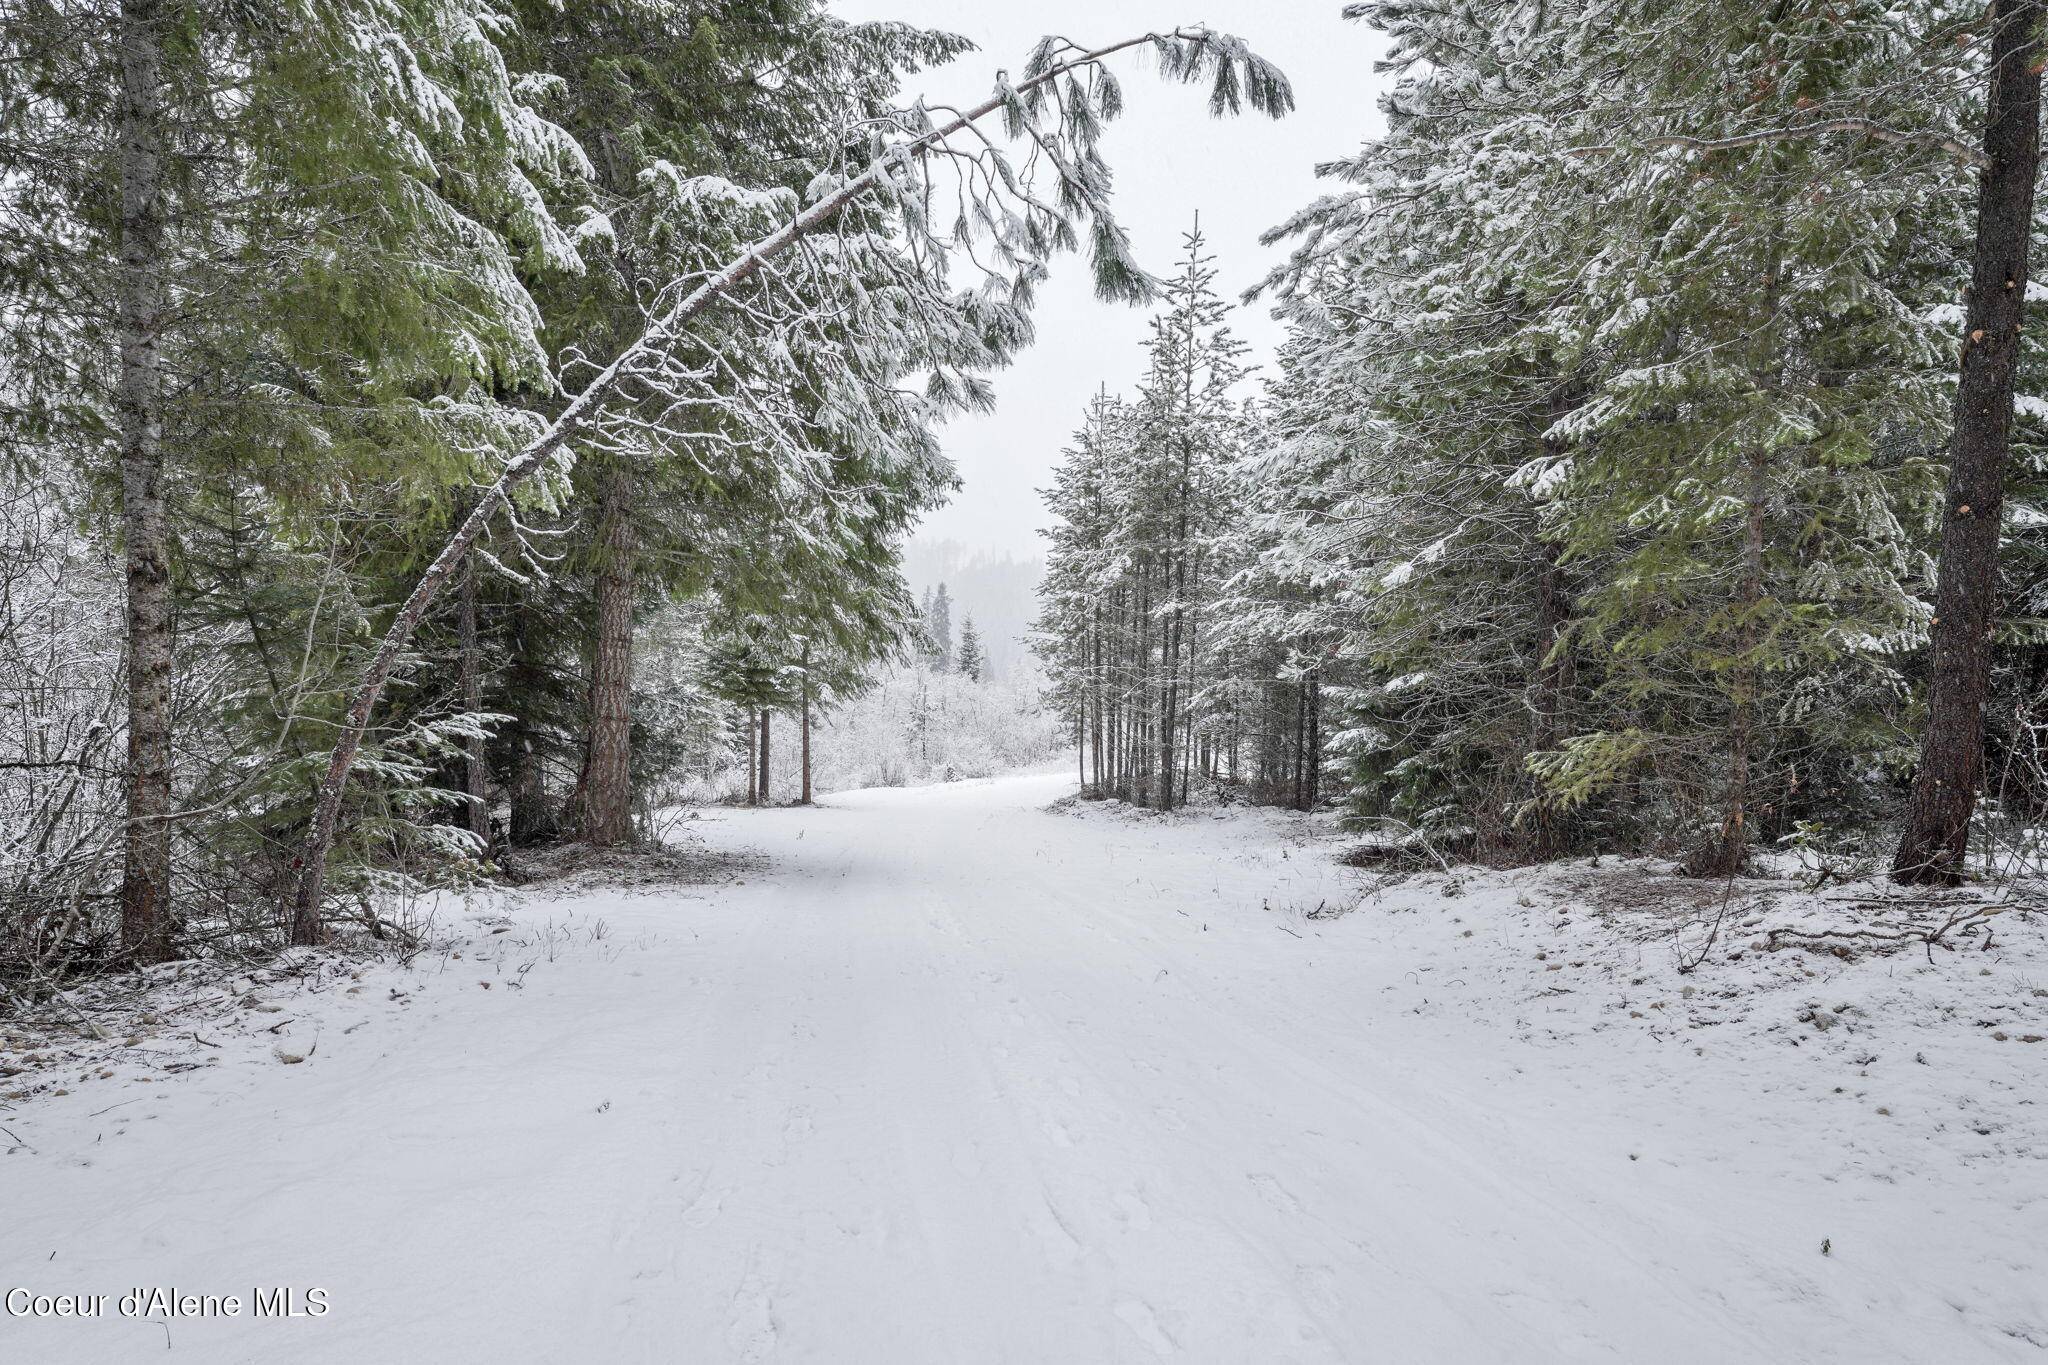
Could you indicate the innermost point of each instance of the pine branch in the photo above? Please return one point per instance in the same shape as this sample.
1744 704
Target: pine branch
1961 151
1185 54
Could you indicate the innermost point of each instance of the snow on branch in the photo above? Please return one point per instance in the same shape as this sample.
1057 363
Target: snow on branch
665 375
1869 128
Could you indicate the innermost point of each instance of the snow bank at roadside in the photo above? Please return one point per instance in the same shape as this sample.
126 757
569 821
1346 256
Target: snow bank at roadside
1833 1105
1910 1020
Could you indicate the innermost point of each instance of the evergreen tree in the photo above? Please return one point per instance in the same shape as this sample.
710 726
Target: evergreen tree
971 663
1681 430
1934 845
1146 499
938 628
314 227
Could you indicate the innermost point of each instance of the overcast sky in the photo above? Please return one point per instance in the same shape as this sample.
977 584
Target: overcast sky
1171 160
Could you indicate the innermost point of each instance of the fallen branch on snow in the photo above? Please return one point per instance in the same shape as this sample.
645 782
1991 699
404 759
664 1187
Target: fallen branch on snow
1962 918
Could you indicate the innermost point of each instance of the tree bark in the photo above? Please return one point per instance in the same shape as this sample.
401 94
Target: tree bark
1095 693
1550 676
1314 757
767 729
804 735
1171 578
605 816
475 784
1742 730
1145 760
1933 846
753 759
533 818
146 913
1547 683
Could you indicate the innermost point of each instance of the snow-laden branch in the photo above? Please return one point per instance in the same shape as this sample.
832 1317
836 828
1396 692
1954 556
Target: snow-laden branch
1237 76
1869 128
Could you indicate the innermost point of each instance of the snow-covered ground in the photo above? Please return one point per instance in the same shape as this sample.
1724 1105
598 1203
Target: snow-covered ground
952 1078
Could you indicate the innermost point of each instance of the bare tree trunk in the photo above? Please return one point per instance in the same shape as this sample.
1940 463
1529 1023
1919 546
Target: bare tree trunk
767 716
1300 726
1142 713
475 785
1191 641
1314 760
1550 677
604 816
1095 688
1743 735
533 818
1725 854
805 744
146 915
753 758
1934 845
1080 743
1170 631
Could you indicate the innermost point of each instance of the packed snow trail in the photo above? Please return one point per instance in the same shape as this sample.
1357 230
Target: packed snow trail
956 1079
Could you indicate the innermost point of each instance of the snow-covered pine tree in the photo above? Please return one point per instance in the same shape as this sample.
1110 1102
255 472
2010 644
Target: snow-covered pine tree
313 278
711 155
1422 373
1079 599
1751 462
970 662
1144 497
1612 385
938 628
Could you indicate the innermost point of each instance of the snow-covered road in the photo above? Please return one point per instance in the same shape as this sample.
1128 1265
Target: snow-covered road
959 1080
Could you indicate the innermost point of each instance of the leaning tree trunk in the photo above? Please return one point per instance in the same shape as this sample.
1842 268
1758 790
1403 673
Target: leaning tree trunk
1934 844
309 867
605 817
138 404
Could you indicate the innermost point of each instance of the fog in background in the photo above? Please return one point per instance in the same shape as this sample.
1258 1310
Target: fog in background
1172 161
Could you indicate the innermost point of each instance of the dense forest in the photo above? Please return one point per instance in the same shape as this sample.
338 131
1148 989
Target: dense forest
430 426
433 428
1654 462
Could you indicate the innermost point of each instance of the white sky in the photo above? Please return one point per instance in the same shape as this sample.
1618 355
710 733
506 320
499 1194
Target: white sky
1171 160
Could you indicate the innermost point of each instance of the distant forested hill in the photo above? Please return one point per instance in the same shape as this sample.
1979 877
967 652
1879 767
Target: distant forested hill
998 590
